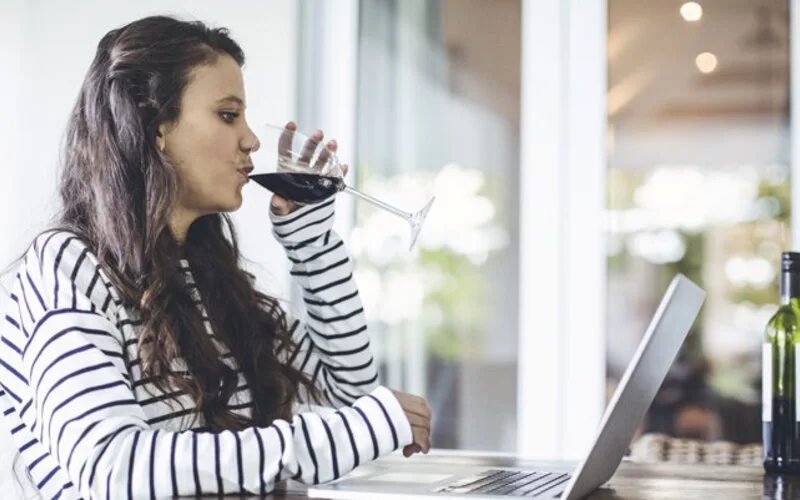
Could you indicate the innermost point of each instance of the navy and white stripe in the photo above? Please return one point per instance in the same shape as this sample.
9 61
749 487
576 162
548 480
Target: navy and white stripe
87 425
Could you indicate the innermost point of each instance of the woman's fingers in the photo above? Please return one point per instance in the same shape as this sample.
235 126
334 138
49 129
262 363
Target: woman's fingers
325 155
411 449
419 417
419 421
422 438
413 403
285 140
310 146
281 206
417 406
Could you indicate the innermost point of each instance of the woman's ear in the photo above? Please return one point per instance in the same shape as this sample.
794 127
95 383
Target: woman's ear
161 141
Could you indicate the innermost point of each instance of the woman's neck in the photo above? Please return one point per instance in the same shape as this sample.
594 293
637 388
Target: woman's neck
179 223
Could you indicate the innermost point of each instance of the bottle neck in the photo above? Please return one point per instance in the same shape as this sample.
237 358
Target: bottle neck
790 286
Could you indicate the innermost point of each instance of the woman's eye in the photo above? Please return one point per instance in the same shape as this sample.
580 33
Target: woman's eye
228 116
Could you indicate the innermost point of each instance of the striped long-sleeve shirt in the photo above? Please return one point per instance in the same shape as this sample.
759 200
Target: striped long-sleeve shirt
88 425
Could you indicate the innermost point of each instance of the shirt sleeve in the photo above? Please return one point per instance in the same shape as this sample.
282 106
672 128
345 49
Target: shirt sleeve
334 347
68 393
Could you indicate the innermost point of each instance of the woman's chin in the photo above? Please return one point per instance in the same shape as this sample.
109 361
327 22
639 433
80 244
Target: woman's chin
231 205
234 206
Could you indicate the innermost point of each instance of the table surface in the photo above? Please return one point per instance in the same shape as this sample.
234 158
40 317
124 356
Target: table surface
638 481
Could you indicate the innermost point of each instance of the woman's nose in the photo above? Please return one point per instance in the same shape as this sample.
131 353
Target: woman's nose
251 142
256 144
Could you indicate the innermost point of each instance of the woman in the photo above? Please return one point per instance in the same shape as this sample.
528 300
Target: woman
137 358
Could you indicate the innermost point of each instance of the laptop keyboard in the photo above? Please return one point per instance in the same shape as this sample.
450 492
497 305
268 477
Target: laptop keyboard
506 482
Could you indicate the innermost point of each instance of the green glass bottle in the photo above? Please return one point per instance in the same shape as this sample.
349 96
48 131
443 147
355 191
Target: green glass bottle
779 375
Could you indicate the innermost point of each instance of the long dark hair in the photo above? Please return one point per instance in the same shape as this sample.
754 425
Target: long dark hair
117 193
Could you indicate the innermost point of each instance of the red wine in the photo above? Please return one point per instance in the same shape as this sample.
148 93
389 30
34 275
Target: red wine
300 188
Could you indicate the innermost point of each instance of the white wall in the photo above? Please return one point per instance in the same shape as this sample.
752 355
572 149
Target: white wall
10 83
46 48
11 33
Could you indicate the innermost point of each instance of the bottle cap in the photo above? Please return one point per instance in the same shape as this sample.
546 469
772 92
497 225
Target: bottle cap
790 261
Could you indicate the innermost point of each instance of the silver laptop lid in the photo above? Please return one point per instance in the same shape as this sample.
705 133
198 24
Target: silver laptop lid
643 377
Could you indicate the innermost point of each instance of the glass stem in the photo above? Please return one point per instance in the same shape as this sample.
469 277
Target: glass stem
379 203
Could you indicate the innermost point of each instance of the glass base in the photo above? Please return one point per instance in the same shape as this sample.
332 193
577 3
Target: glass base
417 220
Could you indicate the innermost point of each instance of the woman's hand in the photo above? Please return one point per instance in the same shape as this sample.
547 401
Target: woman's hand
280 205
419 416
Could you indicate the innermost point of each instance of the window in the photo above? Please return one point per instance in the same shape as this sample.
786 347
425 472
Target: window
438 98
698 183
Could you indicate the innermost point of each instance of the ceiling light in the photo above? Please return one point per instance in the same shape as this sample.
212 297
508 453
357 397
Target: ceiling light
691 11
706 62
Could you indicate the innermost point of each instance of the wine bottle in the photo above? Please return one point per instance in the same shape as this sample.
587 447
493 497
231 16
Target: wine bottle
779 375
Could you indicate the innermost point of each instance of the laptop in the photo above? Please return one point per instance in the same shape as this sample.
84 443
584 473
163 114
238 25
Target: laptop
644 375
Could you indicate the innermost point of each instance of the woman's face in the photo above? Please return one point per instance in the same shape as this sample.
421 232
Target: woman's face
210 143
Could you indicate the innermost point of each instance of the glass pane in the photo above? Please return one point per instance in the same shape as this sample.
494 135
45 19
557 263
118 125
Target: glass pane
438 113
698 183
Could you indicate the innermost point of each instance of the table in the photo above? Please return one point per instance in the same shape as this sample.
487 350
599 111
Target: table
637 481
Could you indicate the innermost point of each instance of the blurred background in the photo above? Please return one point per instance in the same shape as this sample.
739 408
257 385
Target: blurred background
699 183
581 155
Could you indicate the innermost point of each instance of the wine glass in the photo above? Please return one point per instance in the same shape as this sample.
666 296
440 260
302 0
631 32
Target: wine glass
305 171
